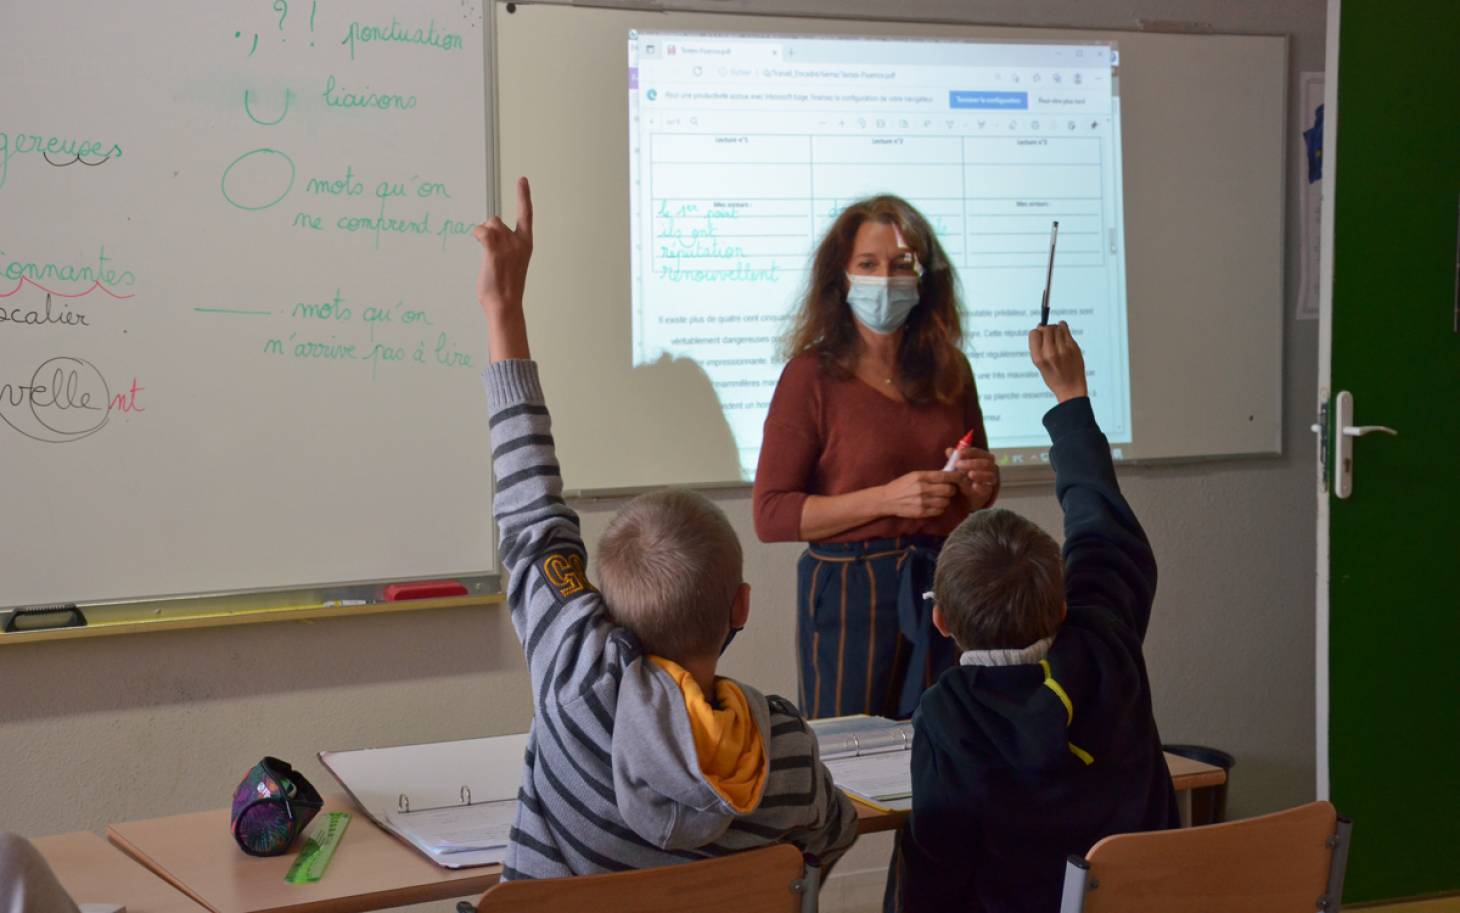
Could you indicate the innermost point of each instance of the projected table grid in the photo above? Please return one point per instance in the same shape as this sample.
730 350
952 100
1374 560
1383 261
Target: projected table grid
774 195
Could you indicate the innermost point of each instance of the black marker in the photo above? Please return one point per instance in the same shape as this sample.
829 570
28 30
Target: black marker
1054 234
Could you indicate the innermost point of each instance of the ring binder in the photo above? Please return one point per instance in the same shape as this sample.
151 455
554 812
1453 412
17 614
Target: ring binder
403 803
407 790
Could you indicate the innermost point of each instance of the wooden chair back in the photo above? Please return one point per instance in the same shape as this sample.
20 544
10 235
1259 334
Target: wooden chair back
1283 862
767 880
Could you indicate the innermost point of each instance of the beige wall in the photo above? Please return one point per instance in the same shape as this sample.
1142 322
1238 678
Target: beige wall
125 727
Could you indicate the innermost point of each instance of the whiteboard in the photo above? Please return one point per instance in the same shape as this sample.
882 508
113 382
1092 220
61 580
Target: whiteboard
1204 157
250 224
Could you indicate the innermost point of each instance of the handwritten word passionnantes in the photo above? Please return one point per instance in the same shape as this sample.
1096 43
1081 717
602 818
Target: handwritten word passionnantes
41 271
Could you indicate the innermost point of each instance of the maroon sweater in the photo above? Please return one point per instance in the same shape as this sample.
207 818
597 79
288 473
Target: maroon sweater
830 437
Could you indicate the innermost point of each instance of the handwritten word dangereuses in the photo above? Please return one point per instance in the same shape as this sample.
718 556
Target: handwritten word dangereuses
397 33
25 143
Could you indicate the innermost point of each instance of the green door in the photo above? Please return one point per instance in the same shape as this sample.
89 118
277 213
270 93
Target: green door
1394 543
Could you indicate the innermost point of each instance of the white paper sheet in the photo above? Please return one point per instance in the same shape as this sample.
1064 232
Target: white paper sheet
459 828
879 778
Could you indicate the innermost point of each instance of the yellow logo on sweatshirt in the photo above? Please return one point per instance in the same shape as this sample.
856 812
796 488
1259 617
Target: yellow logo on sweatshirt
565 573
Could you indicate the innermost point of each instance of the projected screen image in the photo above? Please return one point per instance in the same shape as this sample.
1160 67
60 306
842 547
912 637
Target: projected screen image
743 149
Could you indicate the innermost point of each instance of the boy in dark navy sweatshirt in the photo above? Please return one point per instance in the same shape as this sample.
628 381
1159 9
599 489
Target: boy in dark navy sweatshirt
1042 741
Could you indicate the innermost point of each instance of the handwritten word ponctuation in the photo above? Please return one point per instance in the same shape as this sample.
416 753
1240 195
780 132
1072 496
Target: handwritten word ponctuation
396 33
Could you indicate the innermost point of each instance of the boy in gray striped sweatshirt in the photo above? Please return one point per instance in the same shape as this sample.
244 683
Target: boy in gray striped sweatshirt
638 754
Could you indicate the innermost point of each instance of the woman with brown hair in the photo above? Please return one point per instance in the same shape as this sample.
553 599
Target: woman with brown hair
875 394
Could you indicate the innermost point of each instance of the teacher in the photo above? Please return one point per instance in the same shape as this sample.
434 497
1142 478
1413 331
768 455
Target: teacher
876 392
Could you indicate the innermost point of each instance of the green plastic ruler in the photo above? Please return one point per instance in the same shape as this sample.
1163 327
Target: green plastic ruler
319 848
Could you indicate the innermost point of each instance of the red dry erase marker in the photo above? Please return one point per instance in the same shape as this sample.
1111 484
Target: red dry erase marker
965 441
424 589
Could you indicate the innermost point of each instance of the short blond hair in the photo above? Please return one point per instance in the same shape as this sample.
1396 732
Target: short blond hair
669 565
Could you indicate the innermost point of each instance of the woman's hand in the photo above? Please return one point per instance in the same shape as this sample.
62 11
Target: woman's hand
978 475
920 494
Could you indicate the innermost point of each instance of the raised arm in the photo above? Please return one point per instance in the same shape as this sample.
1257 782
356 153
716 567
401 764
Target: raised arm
1108 560
541 545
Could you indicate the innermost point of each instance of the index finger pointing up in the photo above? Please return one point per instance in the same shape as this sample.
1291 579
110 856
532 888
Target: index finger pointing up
524 210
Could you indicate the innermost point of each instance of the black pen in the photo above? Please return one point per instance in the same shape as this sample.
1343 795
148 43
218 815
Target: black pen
1054 234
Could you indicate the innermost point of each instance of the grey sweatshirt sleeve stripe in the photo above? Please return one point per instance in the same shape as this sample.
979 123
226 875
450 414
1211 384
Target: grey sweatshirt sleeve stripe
541 545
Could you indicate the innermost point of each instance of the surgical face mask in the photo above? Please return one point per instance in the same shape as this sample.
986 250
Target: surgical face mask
882 303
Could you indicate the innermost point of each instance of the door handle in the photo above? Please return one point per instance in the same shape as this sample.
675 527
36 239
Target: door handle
1343 442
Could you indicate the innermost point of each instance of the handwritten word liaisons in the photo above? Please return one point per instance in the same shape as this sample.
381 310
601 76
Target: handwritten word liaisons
66 400
397 33
48 271
336 96
53 147
33 317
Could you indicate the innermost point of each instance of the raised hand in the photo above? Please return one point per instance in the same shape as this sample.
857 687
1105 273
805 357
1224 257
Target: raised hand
503 276
1059 360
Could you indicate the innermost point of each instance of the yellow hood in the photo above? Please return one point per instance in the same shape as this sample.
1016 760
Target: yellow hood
728 744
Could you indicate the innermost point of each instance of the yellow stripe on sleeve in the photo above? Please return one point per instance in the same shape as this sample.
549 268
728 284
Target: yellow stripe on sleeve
1054 686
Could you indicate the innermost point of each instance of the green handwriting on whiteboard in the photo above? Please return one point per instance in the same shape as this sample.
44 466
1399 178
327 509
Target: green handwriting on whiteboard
337 309
375 221
397 33
351 185
258 179
336 96
440 351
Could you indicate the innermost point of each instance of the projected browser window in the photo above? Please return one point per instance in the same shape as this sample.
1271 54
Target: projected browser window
744 148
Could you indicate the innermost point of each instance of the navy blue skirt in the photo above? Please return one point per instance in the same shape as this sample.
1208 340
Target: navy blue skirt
864 633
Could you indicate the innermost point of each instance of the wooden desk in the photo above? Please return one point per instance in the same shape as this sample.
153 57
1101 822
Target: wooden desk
93 872
1188 776
371 870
